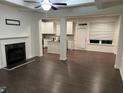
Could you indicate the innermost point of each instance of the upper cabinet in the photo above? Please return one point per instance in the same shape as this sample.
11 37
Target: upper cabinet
51 28
69 28
57 29
48 28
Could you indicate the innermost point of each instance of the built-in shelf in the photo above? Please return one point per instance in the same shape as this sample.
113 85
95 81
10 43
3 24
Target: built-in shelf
2 38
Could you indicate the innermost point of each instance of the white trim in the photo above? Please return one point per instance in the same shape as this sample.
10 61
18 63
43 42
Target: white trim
118 68
2 38
115 66
12 41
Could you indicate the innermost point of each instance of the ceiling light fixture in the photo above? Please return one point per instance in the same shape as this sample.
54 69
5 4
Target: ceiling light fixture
46 5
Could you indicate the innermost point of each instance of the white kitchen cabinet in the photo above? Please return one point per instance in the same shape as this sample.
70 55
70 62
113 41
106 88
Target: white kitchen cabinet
69 28
53 47
71 44
58 29
46 42
43 26
48 28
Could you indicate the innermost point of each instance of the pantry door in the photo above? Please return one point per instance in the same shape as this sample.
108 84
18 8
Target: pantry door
81 38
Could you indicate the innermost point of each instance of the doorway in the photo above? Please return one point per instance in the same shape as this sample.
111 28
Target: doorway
80 40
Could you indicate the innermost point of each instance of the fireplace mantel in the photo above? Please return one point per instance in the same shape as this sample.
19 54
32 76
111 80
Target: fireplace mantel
11 40
3 38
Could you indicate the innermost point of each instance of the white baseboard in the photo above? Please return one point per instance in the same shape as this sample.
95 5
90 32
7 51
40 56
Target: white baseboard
121 73
115 66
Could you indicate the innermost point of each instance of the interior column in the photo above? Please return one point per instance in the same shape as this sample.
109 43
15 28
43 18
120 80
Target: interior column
63 40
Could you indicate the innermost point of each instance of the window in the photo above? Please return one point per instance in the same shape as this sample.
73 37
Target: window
94 41
83 24
101 32
106 41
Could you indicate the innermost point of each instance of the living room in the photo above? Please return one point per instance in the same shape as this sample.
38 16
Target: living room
21 26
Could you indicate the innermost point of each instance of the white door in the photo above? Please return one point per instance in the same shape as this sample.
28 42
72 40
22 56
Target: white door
81 38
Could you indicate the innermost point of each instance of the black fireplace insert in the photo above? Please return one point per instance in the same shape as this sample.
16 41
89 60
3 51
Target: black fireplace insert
15 54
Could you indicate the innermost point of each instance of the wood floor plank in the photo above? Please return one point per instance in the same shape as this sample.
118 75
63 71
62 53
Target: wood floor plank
83 72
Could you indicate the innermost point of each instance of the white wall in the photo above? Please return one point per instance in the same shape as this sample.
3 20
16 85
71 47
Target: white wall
119 56
95 47
35 31
7 12
29 27
40 38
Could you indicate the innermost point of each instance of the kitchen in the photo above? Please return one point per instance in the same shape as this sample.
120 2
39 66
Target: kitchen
51 35
95 33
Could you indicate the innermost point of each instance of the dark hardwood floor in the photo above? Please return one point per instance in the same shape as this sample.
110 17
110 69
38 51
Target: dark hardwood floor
83 72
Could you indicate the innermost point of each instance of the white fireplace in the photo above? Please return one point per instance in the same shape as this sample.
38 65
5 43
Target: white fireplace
13 40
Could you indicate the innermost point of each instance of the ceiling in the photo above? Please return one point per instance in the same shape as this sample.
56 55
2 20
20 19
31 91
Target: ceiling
70 3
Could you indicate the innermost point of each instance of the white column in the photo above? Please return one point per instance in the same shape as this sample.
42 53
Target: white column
40 37
63 41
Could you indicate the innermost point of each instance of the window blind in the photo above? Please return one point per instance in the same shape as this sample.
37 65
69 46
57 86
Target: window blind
101 30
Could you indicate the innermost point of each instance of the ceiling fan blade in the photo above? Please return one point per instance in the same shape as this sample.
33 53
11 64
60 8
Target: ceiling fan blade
38 6
31 1
54 8
59 3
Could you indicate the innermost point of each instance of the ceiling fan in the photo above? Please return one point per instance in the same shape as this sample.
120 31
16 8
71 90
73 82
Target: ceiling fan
46 4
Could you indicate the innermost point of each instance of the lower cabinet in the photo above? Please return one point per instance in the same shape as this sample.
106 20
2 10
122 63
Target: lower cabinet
71 44
53 47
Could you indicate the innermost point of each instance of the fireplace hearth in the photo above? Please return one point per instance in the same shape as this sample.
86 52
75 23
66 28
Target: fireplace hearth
15 54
